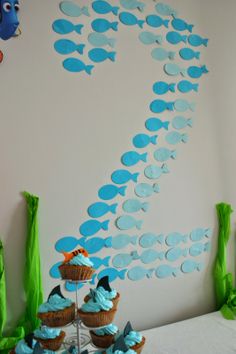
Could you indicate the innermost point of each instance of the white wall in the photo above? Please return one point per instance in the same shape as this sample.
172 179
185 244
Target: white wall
63 134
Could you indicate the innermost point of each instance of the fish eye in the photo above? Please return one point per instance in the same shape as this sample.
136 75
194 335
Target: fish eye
17 7
7 7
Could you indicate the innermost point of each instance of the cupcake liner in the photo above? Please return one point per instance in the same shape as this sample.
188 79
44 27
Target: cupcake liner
102 341
139 347
115 300
58 318
75 272
52 344
97 319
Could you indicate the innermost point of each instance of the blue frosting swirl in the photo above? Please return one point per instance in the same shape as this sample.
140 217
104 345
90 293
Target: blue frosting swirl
100 304
110 351
133 338
81 260
111 329
55 303
23 348
109 295
47 333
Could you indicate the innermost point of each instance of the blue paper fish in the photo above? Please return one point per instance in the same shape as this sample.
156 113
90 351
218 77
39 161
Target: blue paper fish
175 238
138 273
91 227
148 240
69 286
124 176
162 54
195 40
148 38
174 138
148 256
132 4
198 248
54 271
102 25
159 106
75 65
186 86
164 154
95 244
99 209
180 122
195 71
127 222
175 37
112 274
109 191
154 124
98 262
66 46
130 20
142 140
131 158
199 233
190 266
183 105
8 18
98 55
134 205
65 27
154 172
174 69
189 54
69 8
181 25
156 21
144 190
161 87
122 260
165 10
165 271
122 240
174 254
66 244
103 7
100 40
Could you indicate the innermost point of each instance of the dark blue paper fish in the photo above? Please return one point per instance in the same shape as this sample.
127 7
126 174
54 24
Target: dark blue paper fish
8 18
156 21
113 274
99 209
161 87
175 37
196 72
102 25
98 55
62 26
142 140
186 86
189 54
195 40
181 25
159 106
103 7
91 227
164 154
98 262
109 191
66 244
95 244
54 271
66 46
75 65
124 176
131 158
130 20
155 124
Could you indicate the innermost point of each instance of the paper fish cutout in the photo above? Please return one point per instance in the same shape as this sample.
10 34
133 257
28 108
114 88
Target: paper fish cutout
8 18
122 260
165 10
98 55
175 37
175 238
189 54
144 190
91 227
174 69
183 106
124 176
131 158
99 209
62 26
195 71
154 172
198 248
156 21
69 8
102 25
148 256
75 65
186 86
142 140
95 244
161 87
127 222
138 273
162 54
130 20
148 38
174 138
120 346
190 266
109 191
100 40
132 4
164 154
199 234
120 241
155 124
181 25
181 122
148 240
174 254
165 271
104 283
54 271
159 106
103 7
66 46
71 286
134 205
112 274
66 244
195 40
98 262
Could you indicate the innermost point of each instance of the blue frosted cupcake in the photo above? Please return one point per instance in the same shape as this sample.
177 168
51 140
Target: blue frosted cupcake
25 346
119 347
104 337
49 338
133 339
77 268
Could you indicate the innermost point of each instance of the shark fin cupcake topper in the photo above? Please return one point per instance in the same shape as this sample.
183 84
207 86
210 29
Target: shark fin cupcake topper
104 283
38 349
128 328
120 345
92 294
29 340
56 291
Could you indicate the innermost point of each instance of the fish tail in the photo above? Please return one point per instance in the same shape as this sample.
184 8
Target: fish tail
166 23
78 28
199 266
141 23
108 242
184 38
85 11
105 261
207 247
122 273
190 28
68 256
112 56
93 279
175 272
141 6
170 106
139 224
134 240
208 233
205 42
172 87
204 69
173 154
145 206
153 139
197 55
171 55
114 26
183 72
184 138
150 272
88 69
156 188
80 48
160 239
166 125
115 10
105 224
81 242
190 122
134 255
159 39
195 87
122 190
135 176
192 106
112 42
143 157
165 168
113 208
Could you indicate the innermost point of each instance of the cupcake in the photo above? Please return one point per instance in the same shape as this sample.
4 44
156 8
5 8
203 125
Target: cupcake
133 339
57 311
98 311
76 266
25 346
104 337
118 348
49 338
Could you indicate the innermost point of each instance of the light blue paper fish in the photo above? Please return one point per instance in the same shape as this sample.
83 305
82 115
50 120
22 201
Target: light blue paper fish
109 191
75 65
66 244
144 190
138 273
142 140
195 40
54 271
103 7
148 240
196 72
173 69
155 124
112 274
161 87
190 266
175 37
124 176
174 254
62 26
134 205
198 248
101 40
156 21
159 106
127 222
122 240
164 154
165 10
165 271
131 158
98 55
132 4
69 8
174 138
154 172
129 19
148 256
180 122
148 38
181 25
91 227
122 260
175 238
186 86
102 25
96 210
162 54
189 54
199 233
98 262
183 105
95 244
66 46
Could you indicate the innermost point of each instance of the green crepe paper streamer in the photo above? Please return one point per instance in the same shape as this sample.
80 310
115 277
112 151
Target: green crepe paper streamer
3 298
